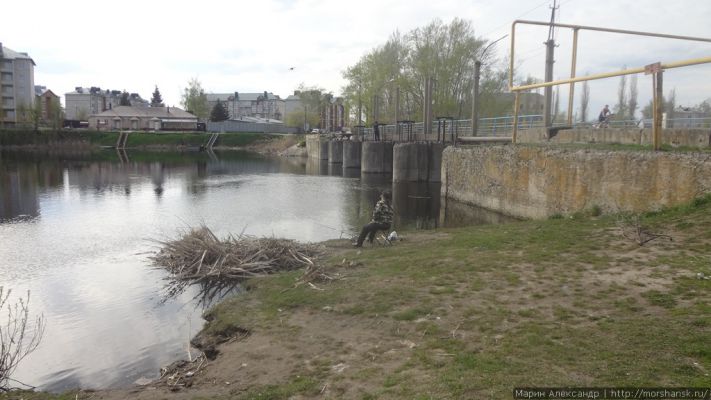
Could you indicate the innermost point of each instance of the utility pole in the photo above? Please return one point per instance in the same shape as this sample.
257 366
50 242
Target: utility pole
550 47
475 94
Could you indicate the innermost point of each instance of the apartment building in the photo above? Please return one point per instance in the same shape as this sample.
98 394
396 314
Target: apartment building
264 105
17 83
84 102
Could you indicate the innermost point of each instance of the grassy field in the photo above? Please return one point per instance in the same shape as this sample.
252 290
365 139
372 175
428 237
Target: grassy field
472 313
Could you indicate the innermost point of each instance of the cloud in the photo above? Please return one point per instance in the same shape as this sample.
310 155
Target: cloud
250 46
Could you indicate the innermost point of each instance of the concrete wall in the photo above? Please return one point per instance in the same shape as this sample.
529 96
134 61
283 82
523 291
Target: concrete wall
417 162
679 137
352 154
316 147
536 182
377 157
335 152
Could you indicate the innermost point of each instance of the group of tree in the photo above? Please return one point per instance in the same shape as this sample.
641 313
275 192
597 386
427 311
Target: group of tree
445 52
33 115
313 99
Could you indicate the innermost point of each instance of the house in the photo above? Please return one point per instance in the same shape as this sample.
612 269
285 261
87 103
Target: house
83 102
259 105
333 115
144 118
49 103
17 83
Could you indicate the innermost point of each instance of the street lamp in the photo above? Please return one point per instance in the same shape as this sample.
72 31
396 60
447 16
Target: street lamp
475 94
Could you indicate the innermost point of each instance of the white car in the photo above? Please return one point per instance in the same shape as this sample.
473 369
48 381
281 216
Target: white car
315 131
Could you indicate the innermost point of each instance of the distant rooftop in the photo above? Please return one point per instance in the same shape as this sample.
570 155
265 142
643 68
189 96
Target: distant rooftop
10 54
242 96
158 112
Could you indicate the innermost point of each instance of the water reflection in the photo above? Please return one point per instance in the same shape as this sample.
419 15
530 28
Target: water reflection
74 230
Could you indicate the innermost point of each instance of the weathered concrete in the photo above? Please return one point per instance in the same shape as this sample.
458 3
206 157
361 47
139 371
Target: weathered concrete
352 154
417 162
335 152
535 182
377 158
678 137
317 147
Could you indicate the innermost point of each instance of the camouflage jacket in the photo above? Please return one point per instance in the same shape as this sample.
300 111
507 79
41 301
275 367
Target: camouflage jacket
383 213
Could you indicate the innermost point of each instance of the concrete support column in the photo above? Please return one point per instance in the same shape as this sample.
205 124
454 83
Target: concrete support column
352 154
417 162
335 152
377 157
316 148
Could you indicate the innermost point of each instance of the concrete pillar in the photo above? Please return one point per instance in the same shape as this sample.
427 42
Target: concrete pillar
417 162
351 154
335 152
316 148
377 158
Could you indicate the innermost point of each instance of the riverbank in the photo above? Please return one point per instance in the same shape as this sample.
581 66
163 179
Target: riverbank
471 313
17 139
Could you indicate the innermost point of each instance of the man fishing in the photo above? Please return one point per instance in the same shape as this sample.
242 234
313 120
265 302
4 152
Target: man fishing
382 219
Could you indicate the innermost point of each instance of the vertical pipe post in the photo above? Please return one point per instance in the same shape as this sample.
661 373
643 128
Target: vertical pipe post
658 78
515 116
548 90
511 56
475 98
571 94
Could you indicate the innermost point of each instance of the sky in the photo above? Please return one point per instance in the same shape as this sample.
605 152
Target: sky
251 46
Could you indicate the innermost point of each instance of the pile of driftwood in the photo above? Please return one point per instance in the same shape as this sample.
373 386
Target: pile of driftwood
201 257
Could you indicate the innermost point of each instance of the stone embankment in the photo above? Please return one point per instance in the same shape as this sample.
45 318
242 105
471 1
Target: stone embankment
539 182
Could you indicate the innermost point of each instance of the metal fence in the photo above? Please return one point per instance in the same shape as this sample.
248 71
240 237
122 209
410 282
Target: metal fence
503 127
448 130
237 126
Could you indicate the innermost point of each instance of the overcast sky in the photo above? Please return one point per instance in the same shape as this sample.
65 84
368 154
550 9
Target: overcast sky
250 46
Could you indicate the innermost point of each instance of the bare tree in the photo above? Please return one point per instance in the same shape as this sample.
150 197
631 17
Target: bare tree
632 102
556 104
17 339
621 106
669 108
584 102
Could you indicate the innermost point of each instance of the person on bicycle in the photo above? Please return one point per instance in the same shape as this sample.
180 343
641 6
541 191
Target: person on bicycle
604 114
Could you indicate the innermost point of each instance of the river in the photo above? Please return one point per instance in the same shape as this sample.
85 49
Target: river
76 230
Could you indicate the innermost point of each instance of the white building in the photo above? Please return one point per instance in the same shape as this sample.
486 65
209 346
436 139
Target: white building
264 105
83 102
17 82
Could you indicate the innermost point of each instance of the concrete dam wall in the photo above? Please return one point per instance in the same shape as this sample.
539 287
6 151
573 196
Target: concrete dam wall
537 182
676 137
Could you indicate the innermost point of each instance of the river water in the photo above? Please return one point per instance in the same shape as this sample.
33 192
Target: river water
77 231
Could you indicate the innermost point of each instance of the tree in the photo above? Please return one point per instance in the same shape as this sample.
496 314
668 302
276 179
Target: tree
445 52
632 102
621 106
157 100
17 339
35 114
556 104
219 112
669 108
584 102
55 114
194 99
125 100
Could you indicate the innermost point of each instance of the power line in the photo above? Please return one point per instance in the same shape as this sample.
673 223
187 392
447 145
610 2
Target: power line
526 13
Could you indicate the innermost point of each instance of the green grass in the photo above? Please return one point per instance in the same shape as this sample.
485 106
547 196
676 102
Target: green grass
487 308
12 137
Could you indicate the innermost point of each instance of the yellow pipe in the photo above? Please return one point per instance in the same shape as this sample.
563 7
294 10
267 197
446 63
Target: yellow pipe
623 31
571 92
676 64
